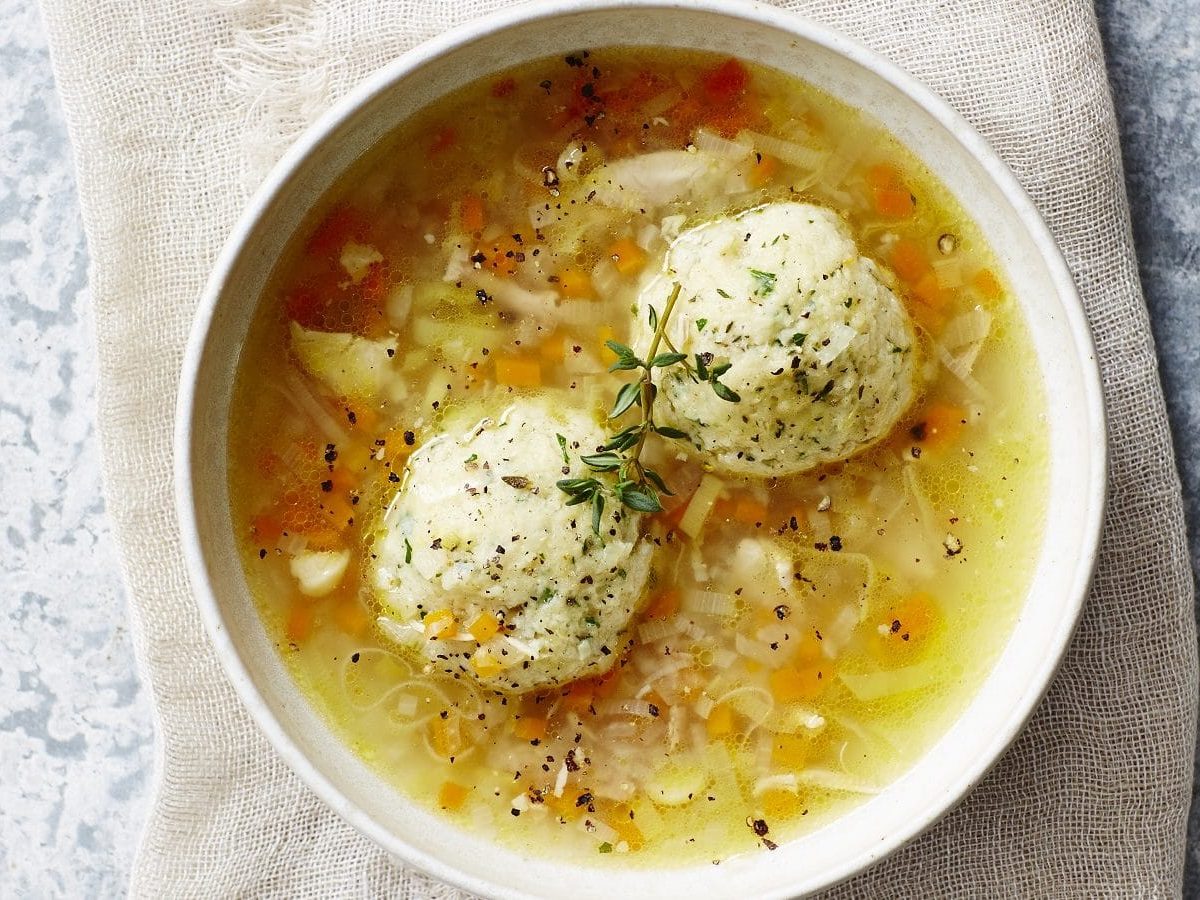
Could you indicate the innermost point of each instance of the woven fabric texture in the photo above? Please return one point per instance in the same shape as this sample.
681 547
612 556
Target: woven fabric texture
177 108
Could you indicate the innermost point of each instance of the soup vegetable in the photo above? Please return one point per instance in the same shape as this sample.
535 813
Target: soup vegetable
637 456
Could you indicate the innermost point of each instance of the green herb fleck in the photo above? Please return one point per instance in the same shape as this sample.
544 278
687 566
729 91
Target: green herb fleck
562 445
764 280
407 551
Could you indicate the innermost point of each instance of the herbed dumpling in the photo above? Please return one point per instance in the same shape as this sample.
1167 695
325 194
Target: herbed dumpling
482 564
822 352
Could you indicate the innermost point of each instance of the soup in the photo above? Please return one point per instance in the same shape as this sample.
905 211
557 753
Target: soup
638 456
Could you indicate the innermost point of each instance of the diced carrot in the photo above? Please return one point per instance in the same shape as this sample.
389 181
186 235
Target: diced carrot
930 292
986 282
502 255
440 623
299 622
790 683
266 528
724 508
789 751
891 195
446 734
939 426
726 82
472 213
749 511
895 203
445 138
580 696
564 807
530 728
554 348
628 256
452 796
913 622
663 605
517 371
763 170
620 820
486 665
779 804
351 617
720 721
575 283
909 260
484 627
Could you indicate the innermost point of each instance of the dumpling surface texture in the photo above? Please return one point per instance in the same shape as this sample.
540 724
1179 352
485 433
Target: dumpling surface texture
478 529
821 350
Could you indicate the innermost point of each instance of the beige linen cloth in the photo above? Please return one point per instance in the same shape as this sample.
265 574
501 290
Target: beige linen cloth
176 109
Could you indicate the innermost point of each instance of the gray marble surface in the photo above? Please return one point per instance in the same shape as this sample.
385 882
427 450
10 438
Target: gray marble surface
76 729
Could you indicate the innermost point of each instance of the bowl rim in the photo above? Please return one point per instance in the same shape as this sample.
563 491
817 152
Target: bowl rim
382 80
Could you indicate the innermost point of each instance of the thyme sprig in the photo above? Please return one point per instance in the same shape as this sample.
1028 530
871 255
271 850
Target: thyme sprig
634 484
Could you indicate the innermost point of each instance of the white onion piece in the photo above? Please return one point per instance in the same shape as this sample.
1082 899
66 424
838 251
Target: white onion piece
707 603
760 653
710 142
789 152
707 493
969 327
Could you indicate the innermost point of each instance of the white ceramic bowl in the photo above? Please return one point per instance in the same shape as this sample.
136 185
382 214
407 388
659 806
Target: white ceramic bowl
968 168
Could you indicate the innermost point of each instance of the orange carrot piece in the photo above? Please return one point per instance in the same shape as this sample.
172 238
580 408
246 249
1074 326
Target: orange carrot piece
517 371
299 622
452 796
914 621
797 683
986 282
763 170
530 728
440 623
472 213
575 283
445 734
909 260
484 627
749 511
620 820
628 256
266 529
502 255
891 195
940 426
664 605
